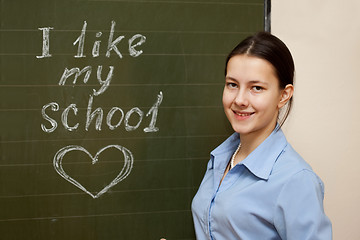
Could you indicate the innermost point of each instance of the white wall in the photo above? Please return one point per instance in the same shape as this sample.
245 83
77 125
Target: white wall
324 126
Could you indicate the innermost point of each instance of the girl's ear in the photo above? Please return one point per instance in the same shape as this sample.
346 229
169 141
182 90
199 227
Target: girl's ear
286 94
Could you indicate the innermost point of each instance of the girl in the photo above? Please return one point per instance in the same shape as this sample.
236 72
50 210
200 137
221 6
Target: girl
256 186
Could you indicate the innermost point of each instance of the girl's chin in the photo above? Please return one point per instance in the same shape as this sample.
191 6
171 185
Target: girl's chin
241 130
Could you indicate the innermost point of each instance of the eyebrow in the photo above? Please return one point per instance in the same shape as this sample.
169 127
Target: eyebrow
231 78
250 82
258 81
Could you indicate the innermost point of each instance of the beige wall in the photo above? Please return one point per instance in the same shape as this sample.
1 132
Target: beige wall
324 127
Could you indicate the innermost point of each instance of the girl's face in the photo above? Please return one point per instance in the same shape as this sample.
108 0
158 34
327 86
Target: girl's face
252 97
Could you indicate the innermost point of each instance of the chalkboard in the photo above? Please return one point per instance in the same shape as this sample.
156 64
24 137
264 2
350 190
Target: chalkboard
109 110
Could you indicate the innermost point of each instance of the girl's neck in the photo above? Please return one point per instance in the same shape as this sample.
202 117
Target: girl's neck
249 142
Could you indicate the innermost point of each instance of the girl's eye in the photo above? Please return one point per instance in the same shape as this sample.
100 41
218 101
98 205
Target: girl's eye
231 85
257 88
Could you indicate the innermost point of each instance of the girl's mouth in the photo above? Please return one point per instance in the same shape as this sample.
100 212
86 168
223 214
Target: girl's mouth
243 115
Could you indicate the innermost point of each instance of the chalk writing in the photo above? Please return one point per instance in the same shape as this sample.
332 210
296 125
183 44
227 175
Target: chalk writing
128 115
55 107
96 48
64 117
154 111
133 52
80 41
87 70
68 72
112 44
111 114
46 42
95 116
98 113
123 173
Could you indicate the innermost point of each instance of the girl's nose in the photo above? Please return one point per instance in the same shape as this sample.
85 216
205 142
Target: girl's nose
241 99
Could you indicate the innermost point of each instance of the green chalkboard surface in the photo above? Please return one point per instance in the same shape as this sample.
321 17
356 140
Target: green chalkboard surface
108 112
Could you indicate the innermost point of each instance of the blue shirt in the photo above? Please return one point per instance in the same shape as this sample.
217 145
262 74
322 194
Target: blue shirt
272 194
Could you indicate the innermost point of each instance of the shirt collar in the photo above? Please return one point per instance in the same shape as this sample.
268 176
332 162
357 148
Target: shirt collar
224 151
260 161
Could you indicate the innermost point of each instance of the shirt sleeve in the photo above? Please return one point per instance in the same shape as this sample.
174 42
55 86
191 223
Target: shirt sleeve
299 212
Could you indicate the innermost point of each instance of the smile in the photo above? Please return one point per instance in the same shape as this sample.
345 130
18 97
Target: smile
243 115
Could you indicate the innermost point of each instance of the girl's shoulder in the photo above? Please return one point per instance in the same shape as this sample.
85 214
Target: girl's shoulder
291 165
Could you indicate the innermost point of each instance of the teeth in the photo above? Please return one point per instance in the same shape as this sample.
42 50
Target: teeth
243 114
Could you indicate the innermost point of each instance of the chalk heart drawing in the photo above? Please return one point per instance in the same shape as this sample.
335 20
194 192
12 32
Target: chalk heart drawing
125 171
